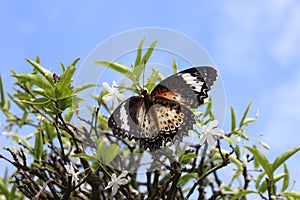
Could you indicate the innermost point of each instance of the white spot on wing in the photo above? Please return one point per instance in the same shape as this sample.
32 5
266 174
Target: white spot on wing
193 81
124 118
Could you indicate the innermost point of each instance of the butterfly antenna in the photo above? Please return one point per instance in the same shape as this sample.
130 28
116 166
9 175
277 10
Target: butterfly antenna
144 75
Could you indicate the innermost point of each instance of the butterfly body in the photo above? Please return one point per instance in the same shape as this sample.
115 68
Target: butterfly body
163 115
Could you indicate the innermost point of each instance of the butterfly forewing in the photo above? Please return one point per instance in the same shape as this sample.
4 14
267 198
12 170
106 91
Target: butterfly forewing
189 87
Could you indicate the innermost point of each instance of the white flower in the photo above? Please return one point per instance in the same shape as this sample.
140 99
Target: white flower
113 93
71 171
2 197
9 133
117 181
209 133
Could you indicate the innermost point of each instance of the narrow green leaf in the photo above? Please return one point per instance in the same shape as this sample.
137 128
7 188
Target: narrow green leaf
155 76
38 147
180 150
65 79
85 86
2 93
123 69
264 186
36 80
264 145
174 65
75 62
84 156
139 53
292 194
137 71
22 106
186 178
241 193
263 161
40 101
245 115
45 72
286 180
233 119
283 157
249 120
185 159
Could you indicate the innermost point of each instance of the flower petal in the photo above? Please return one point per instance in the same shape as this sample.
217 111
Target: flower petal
107 97
123 174
218 131
113 177
110 183
115 189
106 87
123 181
213 124
210 140
202 138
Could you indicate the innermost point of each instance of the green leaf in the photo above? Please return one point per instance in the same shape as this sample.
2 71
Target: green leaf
286 180
110 153
245 115
263 187
123 69
263 161
45 72
38 147
85 86
65 79
249 120
174 65
139 53
258 179
107 154
40 101
264 145
283 157
75 62
292 194
180 150
137 71
155 76
185 159
2 93
37 80
84 156
241 193
185 178
233 119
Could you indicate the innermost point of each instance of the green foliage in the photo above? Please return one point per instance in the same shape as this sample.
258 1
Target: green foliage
61 159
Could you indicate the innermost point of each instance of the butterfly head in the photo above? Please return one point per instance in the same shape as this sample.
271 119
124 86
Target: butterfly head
144 92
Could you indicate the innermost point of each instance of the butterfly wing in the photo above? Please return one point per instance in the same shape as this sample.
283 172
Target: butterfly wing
126 118
165 121
189 87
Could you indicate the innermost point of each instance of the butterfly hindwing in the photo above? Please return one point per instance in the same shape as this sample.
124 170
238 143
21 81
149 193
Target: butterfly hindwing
168 121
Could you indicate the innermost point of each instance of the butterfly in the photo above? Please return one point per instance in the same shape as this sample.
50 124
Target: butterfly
165 114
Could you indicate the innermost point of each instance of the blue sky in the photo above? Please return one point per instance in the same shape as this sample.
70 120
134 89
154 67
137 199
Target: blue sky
255 45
